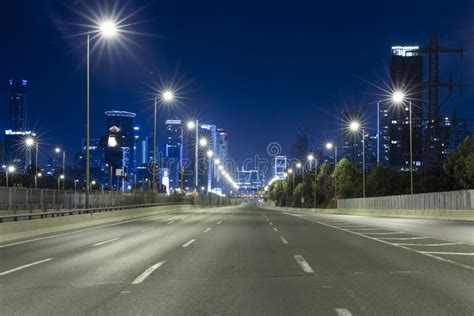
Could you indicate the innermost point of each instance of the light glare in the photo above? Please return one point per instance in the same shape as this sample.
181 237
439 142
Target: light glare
108 28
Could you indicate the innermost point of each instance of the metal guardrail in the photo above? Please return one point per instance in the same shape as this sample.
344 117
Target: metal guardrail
29 216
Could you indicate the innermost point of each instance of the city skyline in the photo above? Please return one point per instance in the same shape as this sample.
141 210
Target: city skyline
202 99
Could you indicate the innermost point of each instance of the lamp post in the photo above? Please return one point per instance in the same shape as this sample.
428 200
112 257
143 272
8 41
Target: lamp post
29 142
398 97
166 97
9 170
58 150
290 171
355 127
310 158
195 125
107 29
61 177
203 143
330 146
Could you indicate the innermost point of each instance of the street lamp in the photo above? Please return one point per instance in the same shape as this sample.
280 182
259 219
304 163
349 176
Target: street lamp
330 146
61 177
10 169
107 29
58 150
210 153
166 97
203 142
310 158
30 142
195 125
355 127
398 97
290 171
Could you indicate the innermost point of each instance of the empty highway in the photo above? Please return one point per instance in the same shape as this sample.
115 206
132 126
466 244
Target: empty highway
242 260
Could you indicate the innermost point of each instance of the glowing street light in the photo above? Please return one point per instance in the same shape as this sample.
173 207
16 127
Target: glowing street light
354 126
210 153
108 28
310 157
29 142
217 161
398 97
167 95
190 125
203 142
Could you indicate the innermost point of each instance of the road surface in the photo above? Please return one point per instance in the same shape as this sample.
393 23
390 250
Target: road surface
238 260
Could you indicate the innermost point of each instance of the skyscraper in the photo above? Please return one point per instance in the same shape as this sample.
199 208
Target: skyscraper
15 151
406 74
173 153
18 104
118 143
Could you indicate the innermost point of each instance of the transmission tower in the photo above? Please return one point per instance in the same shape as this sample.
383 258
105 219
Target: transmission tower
433 137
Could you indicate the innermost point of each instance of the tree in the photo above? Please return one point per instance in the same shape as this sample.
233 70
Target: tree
348 179
460 164
383 181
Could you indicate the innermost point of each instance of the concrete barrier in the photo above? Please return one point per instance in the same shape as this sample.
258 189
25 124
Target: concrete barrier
11 231
463 215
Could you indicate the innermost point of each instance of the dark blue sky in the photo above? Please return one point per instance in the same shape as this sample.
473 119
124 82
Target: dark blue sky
261 69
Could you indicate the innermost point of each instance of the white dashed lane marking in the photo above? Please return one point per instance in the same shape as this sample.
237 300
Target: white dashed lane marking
303 264
104 242
283 240
147 273
189 243
343 312
24 266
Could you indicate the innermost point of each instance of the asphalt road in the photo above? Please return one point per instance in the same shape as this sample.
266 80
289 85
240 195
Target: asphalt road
239 261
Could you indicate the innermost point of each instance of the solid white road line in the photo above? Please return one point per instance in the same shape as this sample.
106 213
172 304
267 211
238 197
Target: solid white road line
431 245
367 229
207 229
283 240
104 242
388 233
303 264
171 222
403 238
147 273
274 228
80 231
219 222
448 253
343 312
25 266
428 254
189 243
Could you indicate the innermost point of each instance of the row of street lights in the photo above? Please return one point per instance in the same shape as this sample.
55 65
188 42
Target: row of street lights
398 98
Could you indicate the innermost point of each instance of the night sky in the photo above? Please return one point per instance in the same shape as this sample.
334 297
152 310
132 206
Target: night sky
262 69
